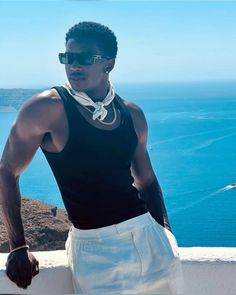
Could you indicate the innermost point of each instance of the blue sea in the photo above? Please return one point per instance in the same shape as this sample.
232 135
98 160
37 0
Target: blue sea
192 146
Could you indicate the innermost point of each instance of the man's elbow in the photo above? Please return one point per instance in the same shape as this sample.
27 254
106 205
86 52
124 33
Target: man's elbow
145 182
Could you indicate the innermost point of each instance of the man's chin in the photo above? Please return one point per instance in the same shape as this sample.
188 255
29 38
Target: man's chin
78 85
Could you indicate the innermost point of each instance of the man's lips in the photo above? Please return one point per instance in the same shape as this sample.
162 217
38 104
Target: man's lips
76 77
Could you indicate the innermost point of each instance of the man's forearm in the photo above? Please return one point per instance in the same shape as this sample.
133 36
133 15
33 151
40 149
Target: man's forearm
152 195
10 201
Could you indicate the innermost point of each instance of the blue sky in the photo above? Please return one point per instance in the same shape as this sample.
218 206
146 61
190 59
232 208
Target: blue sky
158 40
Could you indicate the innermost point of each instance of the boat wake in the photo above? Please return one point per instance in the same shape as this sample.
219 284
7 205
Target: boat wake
204 198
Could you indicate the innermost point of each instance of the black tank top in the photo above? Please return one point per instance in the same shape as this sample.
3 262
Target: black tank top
93 170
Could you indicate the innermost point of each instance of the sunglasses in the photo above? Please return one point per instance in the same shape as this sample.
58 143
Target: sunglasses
84 59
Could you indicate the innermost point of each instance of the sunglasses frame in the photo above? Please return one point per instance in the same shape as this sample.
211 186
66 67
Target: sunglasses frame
94 57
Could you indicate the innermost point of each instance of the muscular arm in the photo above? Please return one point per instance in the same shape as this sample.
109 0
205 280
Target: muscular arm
22 143
145 179
25 137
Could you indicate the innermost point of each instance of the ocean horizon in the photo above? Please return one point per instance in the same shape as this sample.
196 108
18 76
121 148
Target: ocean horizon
192 148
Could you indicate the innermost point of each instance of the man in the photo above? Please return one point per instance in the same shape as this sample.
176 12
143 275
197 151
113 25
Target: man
95 143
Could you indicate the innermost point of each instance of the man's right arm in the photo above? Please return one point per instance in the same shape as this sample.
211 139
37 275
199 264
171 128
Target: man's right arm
25 137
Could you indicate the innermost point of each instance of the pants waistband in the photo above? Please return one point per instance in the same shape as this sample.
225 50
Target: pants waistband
119 228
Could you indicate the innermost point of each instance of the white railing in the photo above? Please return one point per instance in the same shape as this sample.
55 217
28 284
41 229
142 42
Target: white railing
207 271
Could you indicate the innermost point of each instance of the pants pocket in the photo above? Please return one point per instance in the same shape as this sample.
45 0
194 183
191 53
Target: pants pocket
153 250
168 238
176 272
161 264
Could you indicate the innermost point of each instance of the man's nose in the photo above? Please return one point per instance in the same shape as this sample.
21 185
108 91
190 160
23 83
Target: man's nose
75 65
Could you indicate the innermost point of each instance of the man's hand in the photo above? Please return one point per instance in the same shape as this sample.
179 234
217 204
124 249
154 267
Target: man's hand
21 267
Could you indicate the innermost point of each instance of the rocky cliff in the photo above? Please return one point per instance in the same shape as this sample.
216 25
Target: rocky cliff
46 227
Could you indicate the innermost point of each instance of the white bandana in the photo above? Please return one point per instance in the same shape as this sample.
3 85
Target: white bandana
85 100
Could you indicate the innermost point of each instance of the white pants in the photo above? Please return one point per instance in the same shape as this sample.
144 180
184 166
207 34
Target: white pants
137 256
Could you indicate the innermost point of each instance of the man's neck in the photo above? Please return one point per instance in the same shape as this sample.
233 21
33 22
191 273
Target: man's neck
98 94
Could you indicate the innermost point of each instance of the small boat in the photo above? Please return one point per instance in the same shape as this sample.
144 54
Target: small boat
230 186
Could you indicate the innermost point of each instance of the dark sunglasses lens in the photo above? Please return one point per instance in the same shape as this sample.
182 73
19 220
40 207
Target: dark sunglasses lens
70 58
63 58
66 58
83 59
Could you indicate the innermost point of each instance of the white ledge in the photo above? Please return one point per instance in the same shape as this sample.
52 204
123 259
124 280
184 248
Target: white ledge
207 271
208 254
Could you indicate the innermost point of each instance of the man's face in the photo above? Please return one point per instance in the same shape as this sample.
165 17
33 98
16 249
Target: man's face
85 77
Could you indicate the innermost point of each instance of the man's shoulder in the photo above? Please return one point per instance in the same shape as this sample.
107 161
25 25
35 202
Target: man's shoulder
138 117
133 107
45 97
135 110
42 108
47 100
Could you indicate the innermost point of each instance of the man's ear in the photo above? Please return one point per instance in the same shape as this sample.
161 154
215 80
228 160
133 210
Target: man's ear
109 65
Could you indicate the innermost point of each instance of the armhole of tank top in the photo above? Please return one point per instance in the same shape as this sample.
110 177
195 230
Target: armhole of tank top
65 101
127 112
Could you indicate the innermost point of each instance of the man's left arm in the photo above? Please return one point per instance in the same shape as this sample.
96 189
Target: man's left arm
145 179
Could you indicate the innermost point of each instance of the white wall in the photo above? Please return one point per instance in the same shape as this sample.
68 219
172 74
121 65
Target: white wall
54 276
207 271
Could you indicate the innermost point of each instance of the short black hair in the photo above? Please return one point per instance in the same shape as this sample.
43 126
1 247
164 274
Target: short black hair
104 37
